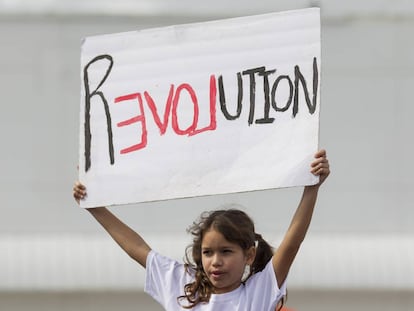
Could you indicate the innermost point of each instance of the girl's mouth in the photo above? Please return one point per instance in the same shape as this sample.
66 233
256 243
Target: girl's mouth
216 274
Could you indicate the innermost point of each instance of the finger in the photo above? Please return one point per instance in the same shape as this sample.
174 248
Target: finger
318 162
78 195
320 153
78 189
79 185
78 192
320 168
316 171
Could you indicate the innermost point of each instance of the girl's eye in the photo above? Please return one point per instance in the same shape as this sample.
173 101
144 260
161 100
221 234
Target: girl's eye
227 251
206 253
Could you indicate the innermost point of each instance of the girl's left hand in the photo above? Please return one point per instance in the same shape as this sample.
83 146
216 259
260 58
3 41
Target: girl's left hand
320 167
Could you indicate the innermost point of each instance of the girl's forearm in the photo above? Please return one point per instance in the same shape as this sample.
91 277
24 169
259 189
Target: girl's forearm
303 216
130 241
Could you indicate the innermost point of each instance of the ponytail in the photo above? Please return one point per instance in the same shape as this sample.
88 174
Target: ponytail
264 253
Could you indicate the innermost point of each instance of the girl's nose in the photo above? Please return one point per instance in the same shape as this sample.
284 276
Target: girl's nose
217 260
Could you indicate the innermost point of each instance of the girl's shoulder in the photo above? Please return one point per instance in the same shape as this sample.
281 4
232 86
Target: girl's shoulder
168 266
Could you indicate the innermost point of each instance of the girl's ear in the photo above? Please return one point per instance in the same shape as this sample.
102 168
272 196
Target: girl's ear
250 255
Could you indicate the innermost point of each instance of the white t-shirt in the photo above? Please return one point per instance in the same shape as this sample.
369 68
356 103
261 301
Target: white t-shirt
166 278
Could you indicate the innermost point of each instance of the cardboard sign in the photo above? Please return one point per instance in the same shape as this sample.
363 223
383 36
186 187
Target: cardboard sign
200 109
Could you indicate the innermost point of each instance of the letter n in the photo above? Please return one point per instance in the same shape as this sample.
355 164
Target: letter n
299 78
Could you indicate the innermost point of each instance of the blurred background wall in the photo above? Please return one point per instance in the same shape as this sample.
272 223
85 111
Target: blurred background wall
359 252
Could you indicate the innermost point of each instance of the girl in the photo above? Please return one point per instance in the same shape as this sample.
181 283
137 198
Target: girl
229 266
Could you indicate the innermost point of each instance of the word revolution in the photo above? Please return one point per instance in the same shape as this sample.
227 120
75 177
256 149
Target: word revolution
173 100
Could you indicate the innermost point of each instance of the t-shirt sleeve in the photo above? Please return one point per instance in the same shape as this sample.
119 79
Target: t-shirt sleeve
264 289
164 278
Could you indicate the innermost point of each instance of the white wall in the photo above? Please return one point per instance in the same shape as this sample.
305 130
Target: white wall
367 82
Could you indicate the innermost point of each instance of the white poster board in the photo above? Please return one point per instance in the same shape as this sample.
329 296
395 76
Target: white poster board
200 109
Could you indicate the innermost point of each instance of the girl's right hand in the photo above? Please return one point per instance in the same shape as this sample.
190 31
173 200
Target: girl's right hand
79 191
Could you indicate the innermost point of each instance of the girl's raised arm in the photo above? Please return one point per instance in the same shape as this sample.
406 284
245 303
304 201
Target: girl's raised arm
286 252
130 241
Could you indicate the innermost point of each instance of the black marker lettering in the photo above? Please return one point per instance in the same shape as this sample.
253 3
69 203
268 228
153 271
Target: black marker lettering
88 96
222 98
251 73
274 88
266 90
299 77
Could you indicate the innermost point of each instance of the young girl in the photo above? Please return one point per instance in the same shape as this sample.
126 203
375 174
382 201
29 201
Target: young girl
229 266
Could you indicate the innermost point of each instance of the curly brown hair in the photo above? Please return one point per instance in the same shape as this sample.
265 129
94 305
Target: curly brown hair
236 227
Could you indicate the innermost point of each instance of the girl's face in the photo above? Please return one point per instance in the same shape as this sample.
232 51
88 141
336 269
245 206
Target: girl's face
223 261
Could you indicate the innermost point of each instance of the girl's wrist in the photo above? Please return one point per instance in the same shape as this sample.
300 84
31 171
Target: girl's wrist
312 189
